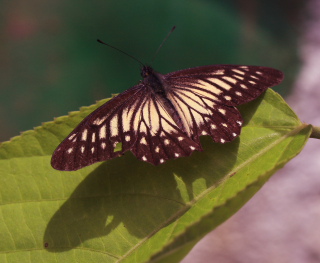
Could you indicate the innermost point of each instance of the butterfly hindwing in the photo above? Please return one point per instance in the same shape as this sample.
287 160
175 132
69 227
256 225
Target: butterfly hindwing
203 116
158 137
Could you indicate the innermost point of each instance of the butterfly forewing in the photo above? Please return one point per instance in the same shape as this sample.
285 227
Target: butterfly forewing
162 117
96 137
206 96
228 84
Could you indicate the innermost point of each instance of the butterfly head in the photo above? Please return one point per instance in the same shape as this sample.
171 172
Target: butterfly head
146 71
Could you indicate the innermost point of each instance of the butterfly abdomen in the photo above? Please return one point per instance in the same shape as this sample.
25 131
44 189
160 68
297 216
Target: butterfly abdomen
158 86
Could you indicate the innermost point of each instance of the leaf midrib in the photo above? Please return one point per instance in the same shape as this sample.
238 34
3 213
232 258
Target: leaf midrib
93 197
209 189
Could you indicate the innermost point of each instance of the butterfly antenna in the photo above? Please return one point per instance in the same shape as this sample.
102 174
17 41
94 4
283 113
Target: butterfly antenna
121 51
172 29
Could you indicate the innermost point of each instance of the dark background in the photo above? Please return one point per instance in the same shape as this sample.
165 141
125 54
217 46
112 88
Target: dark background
51 63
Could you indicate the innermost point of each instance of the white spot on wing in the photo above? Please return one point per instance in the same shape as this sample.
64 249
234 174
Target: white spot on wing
103 145
82 149
213 126
180 138
243 86
222 141
227 97
239 122
234 134
218 72
222 111
157 149
144 158
176 154
102 132
72 136
70 150
166 141
224 125
192 148
127 138
161 161
204 133
92 149
238 93
84 135
93 139
252 82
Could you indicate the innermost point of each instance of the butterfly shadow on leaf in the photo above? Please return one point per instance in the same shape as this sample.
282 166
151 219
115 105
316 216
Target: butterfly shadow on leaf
135 197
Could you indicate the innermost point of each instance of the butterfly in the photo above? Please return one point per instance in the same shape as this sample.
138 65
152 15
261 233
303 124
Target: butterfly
163 116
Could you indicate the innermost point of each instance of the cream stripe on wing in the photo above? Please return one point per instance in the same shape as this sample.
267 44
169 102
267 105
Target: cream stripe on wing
127 116
151 116
208 86
221 84
192 101
114 126
183 111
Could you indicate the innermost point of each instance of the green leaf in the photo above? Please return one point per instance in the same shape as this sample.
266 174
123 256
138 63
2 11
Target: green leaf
125 210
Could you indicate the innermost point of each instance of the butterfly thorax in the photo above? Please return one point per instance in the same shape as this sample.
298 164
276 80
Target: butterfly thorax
152 80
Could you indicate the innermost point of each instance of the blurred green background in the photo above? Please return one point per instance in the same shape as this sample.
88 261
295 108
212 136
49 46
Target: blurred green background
51 63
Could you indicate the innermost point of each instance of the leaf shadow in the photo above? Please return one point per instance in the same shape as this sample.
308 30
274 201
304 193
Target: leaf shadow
248 110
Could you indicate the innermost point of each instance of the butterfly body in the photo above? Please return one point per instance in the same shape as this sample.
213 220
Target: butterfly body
163 116
152 80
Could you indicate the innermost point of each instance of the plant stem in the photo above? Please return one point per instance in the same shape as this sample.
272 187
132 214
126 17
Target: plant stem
315 132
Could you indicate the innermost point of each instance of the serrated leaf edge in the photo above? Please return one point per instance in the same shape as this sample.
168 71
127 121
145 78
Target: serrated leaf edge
209 189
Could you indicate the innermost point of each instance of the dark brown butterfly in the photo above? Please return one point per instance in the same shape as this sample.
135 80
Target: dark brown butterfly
163 116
